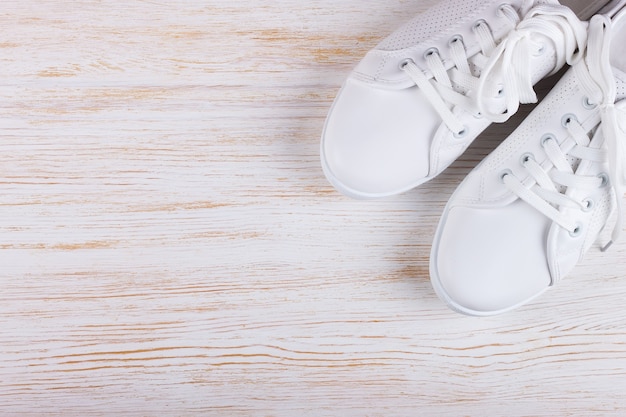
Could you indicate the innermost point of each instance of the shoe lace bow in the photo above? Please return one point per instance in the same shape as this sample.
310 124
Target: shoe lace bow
509 61
596 79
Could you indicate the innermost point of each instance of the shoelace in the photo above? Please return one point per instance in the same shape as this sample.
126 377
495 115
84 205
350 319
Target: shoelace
510 61
596 79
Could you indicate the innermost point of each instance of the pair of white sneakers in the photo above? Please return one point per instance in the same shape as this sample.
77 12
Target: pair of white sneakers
524 217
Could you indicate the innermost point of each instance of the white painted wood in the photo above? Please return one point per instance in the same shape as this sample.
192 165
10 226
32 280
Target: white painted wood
169 245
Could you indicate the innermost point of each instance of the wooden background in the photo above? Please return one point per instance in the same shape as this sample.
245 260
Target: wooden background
169 245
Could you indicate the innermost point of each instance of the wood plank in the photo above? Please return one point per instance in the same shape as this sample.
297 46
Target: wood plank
170 246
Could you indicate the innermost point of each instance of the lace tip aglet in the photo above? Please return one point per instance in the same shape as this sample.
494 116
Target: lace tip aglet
606 247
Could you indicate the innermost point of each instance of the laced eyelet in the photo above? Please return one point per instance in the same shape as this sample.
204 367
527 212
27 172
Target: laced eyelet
500 92
541 50
588 204
477 24
500 12
588 104
430 52
547 137
504 174
526 157
605 179
402 65
578 230
464 132
567 119
455 39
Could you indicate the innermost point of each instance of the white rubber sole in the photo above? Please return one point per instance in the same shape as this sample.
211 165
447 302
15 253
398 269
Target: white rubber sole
349 191
440 290
359 195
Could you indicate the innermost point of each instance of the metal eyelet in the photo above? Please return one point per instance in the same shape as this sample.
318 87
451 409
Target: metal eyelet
526 157
402 65
455 39
431 52
464 132
547 137
500 12
605 179
588 204
541 50
588 104
500 92
504 174
578 230
479 23
567 119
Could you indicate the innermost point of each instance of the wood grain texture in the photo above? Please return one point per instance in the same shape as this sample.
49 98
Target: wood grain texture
169 245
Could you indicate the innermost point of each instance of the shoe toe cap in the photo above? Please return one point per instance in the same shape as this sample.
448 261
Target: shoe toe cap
490 261
376 141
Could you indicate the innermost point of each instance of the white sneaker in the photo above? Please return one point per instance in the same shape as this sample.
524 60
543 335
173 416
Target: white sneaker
524 217
417 100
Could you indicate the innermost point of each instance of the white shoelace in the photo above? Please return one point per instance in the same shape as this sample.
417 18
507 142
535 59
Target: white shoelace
509 61
596 79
